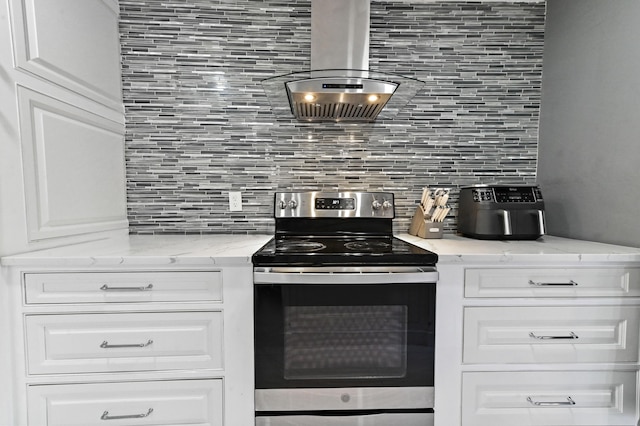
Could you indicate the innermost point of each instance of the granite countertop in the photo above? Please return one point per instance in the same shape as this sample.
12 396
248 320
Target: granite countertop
215 249
148 250
457 249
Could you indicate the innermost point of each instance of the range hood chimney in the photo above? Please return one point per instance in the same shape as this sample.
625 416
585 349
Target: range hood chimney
339 87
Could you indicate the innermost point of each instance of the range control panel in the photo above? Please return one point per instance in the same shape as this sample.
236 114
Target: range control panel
334 205
508 194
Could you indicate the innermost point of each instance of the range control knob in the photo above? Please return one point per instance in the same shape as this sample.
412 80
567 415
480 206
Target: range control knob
387 205
282 205
293 204
376 205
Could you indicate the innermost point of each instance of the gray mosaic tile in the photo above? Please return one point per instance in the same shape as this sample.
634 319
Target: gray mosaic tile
199 125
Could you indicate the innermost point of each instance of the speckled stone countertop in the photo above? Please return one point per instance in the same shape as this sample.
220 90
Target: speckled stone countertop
148 250
237 249
457 249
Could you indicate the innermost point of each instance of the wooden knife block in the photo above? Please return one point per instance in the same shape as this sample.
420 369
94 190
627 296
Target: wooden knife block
423 227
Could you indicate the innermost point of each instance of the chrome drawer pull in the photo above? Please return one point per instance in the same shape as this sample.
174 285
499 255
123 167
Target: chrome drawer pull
571 335
107 288
569 401
106 416
571 283
106 345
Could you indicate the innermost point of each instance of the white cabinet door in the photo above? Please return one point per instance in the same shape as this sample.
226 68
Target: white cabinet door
102 287
73 43
552 282
74 173
581 398
81 343
184 402
558 334
62 151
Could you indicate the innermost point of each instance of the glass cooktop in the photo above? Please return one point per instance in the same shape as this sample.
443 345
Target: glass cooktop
332 251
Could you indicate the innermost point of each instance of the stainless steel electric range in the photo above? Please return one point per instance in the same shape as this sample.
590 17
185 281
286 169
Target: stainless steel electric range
344 316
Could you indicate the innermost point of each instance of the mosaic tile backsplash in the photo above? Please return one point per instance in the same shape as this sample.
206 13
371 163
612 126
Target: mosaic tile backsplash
199 125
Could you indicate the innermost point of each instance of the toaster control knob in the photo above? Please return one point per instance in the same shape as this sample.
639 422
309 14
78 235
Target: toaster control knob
293 204
376 205
387 205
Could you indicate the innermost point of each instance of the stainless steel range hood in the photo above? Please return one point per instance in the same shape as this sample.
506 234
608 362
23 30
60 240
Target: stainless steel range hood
339 86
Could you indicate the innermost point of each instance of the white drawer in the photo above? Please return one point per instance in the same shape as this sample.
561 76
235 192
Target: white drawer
99 287
552 282
185 402
585 398
551 334
80 343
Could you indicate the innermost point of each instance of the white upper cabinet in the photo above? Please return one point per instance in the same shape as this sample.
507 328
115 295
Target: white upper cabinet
62 163
73 43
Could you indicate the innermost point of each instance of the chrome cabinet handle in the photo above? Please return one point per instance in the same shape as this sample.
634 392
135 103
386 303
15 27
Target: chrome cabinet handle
571 283
571 335
569 401
143 288
106 416
106 345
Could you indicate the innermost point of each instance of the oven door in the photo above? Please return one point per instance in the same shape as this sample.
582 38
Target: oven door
328 340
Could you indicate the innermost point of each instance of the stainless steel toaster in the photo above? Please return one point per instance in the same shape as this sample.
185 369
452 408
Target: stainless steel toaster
501 212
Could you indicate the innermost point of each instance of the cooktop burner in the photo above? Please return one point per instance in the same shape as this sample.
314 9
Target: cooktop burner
367 246
298 246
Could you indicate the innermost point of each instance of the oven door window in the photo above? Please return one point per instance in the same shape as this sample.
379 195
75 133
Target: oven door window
345 342
344 335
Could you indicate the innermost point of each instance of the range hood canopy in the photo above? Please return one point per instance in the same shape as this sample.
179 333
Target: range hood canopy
339 86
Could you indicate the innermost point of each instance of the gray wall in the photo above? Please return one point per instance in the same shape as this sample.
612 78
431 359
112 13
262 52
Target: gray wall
198 123
589 148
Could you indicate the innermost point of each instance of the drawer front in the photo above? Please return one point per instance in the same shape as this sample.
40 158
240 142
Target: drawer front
100 287
555 334
553 282
81 343
185 402
585 398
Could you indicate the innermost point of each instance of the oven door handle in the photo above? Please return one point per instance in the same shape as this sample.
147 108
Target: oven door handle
339 275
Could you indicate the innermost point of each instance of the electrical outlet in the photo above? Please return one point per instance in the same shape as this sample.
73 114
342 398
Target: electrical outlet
235 201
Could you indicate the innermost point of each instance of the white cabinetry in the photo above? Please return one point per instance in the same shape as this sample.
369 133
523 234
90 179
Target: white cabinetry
71 43
106 342
549 345
588 397
99 287
176 402
62 124
157 345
